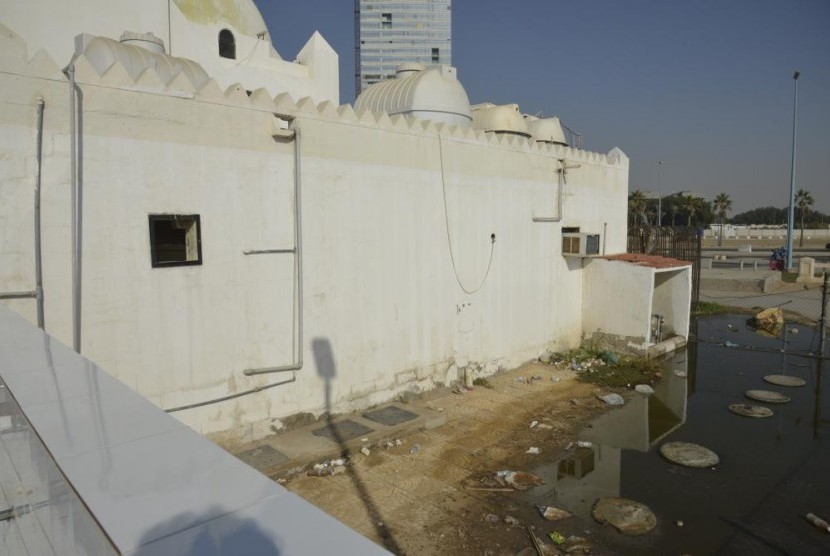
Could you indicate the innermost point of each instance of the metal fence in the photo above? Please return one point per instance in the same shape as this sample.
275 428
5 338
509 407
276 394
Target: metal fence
676 242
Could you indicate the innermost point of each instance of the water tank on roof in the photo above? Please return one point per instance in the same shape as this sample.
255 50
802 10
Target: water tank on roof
147 41
420 92
546 130
505 118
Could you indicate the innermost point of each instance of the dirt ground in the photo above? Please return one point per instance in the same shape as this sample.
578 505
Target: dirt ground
423 497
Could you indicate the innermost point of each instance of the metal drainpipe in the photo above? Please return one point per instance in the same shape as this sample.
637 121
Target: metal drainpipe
37 293
298 264
76 211
558 217
38 251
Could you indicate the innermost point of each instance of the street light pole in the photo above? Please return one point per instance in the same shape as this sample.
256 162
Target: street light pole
791 213
659 194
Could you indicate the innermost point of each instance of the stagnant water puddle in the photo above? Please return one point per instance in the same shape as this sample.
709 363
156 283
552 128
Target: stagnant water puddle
772 471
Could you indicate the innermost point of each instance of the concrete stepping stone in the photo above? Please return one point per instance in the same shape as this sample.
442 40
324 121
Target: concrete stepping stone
748 410
689 455
767 396
785 380
626 516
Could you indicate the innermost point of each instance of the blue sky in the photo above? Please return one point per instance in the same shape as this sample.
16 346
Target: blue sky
705 86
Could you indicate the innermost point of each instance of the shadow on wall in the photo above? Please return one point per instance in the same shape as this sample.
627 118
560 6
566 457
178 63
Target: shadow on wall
212 537
327 370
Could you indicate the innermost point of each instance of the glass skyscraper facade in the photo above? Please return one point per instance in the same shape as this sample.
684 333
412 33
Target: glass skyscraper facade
393 32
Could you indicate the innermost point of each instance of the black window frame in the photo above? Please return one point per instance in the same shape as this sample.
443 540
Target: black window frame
154 259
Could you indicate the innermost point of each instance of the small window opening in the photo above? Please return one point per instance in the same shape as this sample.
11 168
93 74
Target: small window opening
570 230
436 54
227 44
175 240
386 21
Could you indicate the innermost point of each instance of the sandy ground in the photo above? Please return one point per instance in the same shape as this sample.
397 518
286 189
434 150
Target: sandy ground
415 498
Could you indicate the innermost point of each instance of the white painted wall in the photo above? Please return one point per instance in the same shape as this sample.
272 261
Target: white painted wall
672 294
379 282
617 300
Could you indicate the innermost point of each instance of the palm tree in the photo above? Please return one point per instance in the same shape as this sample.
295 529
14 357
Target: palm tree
637 203
721 205
803 201
691 205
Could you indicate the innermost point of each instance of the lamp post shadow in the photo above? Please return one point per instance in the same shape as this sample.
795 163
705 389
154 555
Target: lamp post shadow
327 370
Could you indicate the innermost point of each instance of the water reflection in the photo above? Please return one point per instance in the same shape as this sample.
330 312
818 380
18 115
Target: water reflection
590 472
772 471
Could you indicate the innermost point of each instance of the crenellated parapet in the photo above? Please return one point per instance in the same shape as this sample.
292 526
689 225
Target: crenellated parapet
106 62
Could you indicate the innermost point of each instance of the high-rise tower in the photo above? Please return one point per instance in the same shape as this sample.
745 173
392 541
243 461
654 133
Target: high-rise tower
393 32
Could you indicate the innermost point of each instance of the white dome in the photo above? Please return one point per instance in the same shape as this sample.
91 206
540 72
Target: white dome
429 94
242 15
546 130
505 118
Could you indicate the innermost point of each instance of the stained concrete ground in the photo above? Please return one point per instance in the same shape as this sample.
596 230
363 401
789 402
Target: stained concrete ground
420 497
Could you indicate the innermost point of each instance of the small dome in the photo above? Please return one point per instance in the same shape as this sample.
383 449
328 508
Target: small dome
546 130
429 94
505 118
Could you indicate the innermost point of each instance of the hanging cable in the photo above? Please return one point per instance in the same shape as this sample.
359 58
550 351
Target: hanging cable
447 227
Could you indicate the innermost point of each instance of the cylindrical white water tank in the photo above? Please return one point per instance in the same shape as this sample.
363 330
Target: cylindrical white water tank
147 41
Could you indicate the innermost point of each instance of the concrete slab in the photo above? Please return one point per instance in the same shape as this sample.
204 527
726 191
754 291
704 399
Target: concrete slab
314 443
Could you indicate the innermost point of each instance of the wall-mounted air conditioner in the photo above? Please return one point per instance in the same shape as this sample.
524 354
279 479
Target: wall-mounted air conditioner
580 244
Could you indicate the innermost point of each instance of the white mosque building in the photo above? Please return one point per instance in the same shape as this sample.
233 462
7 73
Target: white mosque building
201 218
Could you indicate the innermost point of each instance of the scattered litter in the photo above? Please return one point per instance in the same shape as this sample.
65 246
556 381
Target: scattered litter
460 390
556 537
364 440
818 522
644 389
533 424
552 513
518 479
577 544
681 374
415 449
729 344
555 379
612 399
533 450
679 523
546 357
492 518
793 330
689 455
365 451
544 426
574 402
584 444
732 327
398 442
510 520
627 516
520 379
327 468
570 446
534 378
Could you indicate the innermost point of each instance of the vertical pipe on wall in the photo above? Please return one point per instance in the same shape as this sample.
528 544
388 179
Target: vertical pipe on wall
298 263
76 210
38 251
